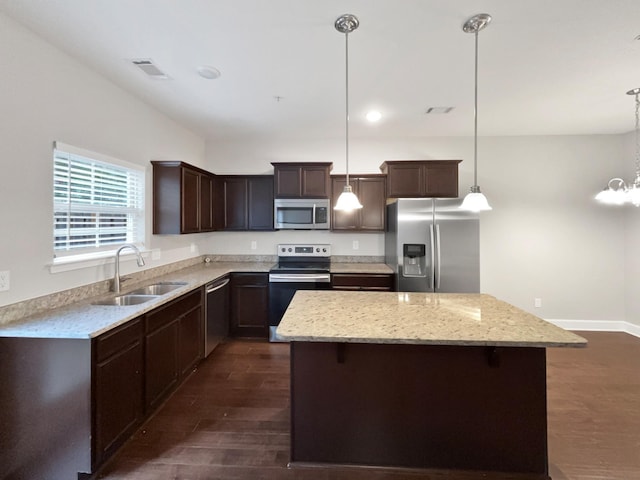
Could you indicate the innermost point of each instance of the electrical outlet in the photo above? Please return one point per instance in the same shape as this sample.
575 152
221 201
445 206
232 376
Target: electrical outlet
155 254
4 280
254 245
356 244
193 248
537 302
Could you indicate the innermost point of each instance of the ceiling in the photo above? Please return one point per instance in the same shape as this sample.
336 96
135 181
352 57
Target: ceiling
547 67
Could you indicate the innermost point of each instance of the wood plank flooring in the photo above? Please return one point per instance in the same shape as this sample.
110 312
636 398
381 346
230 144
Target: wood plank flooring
230 420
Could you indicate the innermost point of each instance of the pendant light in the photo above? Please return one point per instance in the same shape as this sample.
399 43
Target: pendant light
475 201
347 200
617 192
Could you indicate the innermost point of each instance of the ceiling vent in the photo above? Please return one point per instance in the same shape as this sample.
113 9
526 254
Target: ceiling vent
148 67
438 110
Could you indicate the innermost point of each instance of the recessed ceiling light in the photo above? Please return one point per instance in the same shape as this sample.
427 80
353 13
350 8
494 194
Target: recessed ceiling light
438 110
208 72
374 116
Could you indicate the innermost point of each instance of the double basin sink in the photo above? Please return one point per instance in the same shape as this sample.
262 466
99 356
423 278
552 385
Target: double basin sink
142 294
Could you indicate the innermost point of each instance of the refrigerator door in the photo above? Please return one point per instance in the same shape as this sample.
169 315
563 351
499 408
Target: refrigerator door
457 238
414 245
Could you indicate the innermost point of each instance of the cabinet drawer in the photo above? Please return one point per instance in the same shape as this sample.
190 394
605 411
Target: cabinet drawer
362 281
170 312
118 338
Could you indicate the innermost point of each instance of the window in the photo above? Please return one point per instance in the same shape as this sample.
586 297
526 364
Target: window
98 203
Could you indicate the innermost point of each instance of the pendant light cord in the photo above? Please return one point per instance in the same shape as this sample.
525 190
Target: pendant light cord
637 139
346 43
475 120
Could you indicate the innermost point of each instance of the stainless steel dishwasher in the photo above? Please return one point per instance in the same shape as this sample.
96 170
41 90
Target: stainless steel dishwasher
216 314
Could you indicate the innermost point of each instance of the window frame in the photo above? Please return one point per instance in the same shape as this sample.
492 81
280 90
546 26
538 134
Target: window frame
135 187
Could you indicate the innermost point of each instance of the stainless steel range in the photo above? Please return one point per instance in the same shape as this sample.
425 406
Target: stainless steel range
300 267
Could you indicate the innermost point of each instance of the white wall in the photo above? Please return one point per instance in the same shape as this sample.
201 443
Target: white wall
545 238
632 240
45 96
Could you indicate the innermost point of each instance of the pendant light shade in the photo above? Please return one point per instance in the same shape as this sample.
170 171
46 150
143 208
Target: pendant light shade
617 192
475 201
347 200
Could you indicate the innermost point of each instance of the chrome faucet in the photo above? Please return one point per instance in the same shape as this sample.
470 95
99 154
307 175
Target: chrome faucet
116 276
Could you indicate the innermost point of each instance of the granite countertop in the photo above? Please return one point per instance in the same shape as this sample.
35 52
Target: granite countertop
82 319
417 318
85 320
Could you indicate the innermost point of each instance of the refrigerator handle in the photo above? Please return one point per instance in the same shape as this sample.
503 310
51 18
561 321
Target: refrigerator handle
439 257
433 257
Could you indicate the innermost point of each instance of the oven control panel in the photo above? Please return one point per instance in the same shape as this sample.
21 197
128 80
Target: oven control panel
304 250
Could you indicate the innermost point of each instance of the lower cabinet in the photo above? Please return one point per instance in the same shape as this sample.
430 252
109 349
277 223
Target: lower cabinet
138 365
118 384
173 345
379 282
249 305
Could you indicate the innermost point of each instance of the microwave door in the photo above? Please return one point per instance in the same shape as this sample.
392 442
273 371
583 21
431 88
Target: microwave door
294 217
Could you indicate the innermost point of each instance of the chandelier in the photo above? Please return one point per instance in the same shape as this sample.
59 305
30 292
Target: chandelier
617 191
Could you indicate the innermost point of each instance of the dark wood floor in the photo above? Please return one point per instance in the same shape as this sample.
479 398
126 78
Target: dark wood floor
230 420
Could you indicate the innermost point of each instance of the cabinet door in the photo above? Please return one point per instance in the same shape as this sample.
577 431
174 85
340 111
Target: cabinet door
287 181
441 180
190 340
190 201
315 182
249 305
235 203
206 203
161 362
405 180
260 198
118 383
372 195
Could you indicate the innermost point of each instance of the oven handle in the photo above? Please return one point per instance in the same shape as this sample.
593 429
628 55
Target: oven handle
299 278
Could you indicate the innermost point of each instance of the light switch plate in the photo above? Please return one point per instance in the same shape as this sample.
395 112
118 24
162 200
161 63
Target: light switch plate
4 280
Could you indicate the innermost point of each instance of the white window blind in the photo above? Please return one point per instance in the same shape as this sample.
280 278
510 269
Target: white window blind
97 204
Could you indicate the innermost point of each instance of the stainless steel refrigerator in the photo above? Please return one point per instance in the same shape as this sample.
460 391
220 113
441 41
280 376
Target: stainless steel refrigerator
433 246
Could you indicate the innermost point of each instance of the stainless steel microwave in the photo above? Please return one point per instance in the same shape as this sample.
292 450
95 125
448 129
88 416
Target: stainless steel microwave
301 214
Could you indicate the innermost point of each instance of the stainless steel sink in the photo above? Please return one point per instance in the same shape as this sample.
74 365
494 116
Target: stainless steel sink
158 288
124 300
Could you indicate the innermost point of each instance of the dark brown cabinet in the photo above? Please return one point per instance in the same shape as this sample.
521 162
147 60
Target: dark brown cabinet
432 178
173 345
362 281
371 191
118 383
302 180
182 198
245 202
249 305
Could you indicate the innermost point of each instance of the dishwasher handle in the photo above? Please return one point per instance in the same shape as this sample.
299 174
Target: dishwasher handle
213 288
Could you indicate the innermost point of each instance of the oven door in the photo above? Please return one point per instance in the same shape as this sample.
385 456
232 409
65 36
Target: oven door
282 287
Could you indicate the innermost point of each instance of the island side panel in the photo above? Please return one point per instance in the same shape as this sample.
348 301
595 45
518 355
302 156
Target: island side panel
423 406
45 408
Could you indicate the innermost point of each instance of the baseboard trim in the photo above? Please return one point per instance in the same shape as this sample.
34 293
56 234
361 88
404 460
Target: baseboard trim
598 326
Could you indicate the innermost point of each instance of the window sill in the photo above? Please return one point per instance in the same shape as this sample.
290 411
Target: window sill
78 262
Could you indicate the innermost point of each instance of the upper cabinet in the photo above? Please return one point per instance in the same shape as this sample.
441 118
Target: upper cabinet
370 190
429 178
302 180
182 198
244 202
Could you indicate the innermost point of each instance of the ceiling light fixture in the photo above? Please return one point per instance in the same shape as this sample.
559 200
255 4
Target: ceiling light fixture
617 192
475 201
347 200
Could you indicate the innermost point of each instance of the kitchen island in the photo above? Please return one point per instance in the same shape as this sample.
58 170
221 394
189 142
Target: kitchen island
419 380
